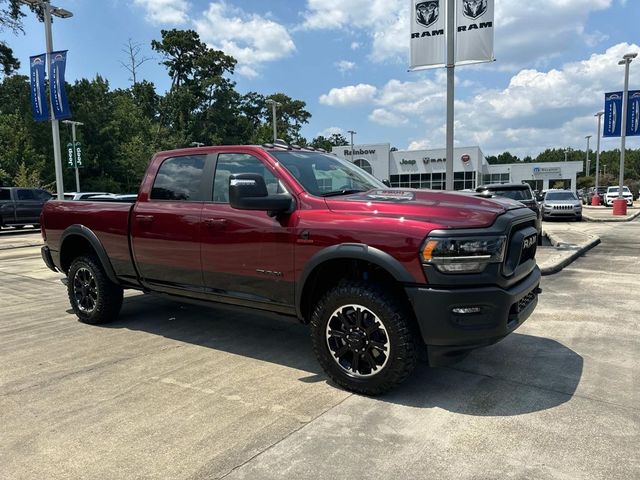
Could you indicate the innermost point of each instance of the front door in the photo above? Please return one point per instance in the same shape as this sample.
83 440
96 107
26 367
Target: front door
247 256
165 227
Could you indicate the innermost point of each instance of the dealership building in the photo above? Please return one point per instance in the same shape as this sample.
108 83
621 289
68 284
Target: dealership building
427 168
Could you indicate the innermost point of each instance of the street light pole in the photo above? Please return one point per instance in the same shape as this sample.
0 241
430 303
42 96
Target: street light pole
48 10
599 115
626 61
352 134
73 140
588 166
274 106
451 66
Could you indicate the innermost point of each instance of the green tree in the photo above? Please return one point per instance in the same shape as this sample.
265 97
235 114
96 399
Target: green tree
335 140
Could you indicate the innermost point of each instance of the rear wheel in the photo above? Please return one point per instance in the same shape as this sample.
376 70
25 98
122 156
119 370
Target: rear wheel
94 298
363 338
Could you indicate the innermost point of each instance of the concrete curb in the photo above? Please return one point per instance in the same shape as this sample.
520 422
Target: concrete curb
628 218
573 251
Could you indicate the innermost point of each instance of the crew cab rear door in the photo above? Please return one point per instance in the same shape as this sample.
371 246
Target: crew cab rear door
247 256
165 225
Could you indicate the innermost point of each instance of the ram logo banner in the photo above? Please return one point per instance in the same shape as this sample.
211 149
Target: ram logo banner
474 31
39 105
428 25
613 114
427 13
58 93
474 8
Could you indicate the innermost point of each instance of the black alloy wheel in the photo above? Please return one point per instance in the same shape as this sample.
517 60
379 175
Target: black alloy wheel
358 341
95 299
365 336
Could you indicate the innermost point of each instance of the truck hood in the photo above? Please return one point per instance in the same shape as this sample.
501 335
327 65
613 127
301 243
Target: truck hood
445 209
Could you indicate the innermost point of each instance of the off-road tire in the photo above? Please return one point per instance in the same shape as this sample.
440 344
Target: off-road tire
108 301
398 321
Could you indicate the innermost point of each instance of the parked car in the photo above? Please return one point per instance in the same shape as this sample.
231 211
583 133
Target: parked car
380 275
83 195
21 206
561 204
582 195
592 192
614 192
515 191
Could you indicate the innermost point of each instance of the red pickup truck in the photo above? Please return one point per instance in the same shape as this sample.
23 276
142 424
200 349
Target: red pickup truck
384 277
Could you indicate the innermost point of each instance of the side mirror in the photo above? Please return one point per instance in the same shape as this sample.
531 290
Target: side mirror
248 191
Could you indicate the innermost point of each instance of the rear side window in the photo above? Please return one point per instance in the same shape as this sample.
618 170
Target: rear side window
5 194
179 178
26 195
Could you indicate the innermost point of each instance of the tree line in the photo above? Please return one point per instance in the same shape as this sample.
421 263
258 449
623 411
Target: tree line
124 127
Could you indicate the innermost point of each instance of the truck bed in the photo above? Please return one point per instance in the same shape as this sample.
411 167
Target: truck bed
108 220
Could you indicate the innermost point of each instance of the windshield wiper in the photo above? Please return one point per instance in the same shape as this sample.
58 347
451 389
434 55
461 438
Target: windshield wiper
342 192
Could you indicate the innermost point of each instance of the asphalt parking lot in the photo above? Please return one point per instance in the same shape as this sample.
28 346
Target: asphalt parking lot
175 391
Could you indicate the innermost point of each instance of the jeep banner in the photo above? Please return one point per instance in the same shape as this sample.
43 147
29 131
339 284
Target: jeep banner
428 24
39 105
474 31
58 92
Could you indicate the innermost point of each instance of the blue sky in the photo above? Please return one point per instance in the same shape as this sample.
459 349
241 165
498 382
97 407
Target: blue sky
348 60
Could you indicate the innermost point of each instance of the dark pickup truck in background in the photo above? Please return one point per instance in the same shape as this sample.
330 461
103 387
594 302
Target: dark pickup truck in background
383 276
21 206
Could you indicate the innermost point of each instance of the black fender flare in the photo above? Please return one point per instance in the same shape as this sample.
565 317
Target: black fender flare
351 251
94 241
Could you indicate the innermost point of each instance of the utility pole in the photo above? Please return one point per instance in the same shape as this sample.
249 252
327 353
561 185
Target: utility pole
352 134
626 61
73 140
274 106
48 10
588 165
451 65
595 194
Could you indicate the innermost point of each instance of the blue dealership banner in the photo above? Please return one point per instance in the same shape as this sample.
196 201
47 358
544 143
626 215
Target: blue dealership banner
613 114
633 114
58 93
39 105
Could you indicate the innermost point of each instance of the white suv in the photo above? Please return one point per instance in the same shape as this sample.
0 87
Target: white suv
614 192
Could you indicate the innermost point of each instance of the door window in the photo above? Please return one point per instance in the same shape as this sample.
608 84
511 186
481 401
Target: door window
5 194
231 163
179 178
26 195
42 195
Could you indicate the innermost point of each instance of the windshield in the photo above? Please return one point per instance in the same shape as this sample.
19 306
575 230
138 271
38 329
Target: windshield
326 175
523 194
617 190
560 196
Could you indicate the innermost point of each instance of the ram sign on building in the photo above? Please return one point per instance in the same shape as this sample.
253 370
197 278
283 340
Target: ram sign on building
427 168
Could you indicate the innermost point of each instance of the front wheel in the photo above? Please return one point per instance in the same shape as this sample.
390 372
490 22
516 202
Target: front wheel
94 298
363 337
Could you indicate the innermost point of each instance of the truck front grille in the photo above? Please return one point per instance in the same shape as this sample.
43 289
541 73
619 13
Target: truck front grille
562 207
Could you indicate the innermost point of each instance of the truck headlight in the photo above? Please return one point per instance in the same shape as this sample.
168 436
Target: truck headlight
463 254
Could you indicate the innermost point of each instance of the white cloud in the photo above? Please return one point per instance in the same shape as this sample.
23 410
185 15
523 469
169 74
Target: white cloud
327 132
355 45
350 95
250 38
345 66
387 118
527 33
536 110
164 11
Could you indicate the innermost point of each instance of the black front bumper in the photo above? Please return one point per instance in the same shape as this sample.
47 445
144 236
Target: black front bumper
449 335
